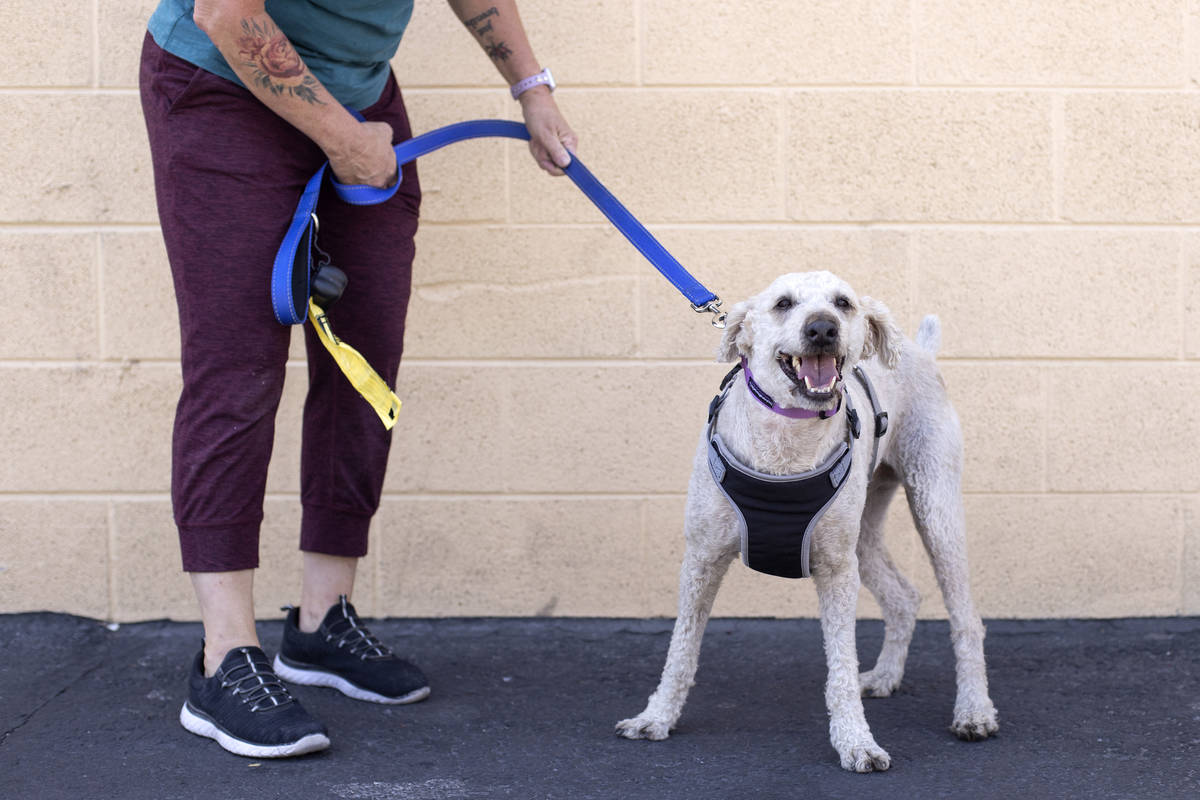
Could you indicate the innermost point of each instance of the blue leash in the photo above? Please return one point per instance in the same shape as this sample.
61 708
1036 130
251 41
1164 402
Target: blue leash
291 272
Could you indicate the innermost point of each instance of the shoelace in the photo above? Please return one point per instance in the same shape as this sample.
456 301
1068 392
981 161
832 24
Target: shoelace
351 633
255 680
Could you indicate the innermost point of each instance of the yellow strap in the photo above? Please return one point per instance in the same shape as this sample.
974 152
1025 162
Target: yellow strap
364 379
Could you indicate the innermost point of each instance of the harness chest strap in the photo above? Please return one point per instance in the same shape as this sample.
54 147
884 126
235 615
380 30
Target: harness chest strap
772 509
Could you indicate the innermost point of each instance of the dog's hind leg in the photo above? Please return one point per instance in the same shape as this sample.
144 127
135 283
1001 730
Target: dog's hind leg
699 578
898 598
935 497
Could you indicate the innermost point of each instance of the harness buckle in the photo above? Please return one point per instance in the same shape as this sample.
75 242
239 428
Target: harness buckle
712 307
855 424
881 424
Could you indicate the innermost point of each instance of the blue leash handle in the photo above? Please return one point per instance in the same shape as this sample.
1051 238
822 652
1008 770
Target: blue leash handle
289 284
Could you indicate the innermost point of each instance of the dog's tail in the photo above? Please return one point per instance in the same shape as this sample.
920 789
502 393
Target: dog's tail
929 335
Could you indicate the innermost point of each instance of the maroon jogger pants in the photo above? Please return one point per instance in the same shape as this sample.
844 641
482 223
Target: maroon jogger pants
228 174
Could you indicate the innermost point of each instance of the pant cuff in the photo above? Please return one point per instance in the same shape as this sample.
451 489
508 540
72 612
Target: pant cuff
333 532
219 548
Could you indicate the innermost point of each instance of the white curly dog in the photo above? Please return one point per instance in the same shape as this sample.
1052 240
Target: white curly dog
798 338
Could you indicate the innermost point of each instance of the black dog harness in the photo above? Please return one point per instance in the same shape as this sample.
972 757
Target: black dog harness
777 513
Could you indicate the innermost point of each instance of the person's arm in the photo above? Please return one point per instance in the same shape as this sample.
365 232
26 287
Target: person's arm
266 62
497 27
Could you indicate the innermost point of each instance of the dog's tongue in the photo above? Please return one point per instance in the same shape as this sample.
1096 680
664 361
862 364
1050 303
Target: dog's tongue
820 371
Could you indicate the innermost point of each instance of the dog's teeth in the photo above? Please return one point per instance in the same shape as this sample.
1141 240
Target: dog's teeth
797 362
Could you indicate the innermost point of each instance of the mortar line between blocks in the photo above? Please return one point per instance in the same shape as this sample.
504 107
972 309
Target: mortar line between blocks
1058 154
1045 428
1189 42
95 44
914 32
111 549
639 43
781 145
508 184
101 327
1182 299
1184 551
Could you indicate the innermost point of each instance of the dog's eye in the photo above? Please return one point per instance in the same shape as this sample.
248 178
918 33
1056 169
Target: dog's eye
842 302
784 304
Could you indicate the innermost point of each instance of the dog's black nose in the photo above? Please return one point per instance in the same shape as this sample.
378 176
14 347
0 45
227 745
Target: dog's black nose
821 331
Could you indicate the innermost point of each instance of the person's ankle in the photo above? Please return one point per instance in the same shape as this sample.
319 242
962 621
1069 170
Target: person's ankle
215 652
309 621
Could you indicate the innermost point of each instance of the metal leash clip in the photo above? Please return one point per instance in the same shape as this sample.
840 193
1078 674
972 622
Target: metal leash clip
712 307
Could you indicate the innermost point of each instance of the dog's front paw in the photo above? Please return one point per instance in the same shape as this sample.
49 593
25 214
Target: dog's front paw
865 757
975 724
644 727
877 683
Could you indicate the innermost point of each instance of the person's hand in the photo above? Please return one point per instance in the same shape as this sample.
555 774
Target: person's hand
366 157
551 138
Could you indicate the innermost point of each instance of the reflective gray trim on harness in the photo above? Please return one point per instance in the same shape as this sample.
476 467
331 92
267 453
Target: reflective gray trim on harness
772 509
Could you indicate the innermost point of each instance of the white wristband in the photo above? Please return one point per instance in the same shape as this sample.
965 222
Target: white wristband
542 78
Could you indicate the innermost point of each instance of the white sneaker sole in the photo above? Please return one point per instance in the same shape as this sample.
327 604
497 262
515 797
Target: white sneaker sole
315 677
204 727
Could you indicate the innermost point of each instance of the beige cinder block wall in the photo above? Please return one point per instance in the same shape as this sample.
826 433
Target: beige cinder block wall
1030 172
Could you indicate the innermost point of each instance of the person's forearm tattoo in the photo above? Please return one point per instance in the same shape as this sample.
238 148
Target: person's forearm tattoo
275 63
481 25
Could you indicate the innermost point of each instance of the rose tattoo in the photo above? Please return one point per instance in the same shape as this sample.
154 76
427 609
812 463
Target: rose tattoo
275 63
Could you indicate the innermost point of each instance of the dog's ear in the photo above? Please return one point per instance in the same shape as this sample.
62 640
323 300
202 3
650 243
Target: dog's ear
883 337
736 333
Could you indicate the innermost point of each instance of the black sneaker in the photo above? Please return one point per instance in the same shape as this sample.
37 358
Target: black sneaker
342 654
247 710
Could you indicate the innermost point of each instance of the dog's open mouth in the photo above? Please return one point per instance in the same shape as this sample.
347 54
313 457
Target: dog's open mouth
816 376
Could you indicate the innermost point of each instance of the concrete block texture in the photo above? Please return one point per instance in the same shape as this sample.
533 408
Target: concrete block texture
75 157
920 156
50 270
1077 555
39 47
1064 43
466 183
1051 293
737 263
584 42
548 429
1191 297
121 26
54 554
1026 171
1191 555
580 281
1131 157
777 43
1123 427
90 427
138 315
149 582
536 556
696 155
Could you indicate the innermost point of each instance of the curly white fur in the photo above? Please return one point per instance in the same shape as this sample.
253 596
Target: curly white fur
922 452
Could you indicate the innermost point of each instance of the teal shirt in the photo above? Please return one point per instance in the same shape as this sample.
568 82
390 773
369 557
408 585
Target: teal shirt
347 44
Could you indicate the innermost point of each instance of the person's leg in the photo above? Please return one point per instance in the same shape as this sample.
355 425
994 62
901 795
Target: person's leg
326 578
345 447
225 170
227 608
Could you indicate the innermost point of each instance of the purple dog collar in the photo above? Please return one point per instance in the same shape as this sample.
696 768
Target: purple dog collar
761 396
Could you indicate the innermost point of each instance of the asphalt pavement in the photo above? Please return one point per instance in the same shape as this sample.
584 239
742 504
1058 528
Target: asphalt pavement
525 708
